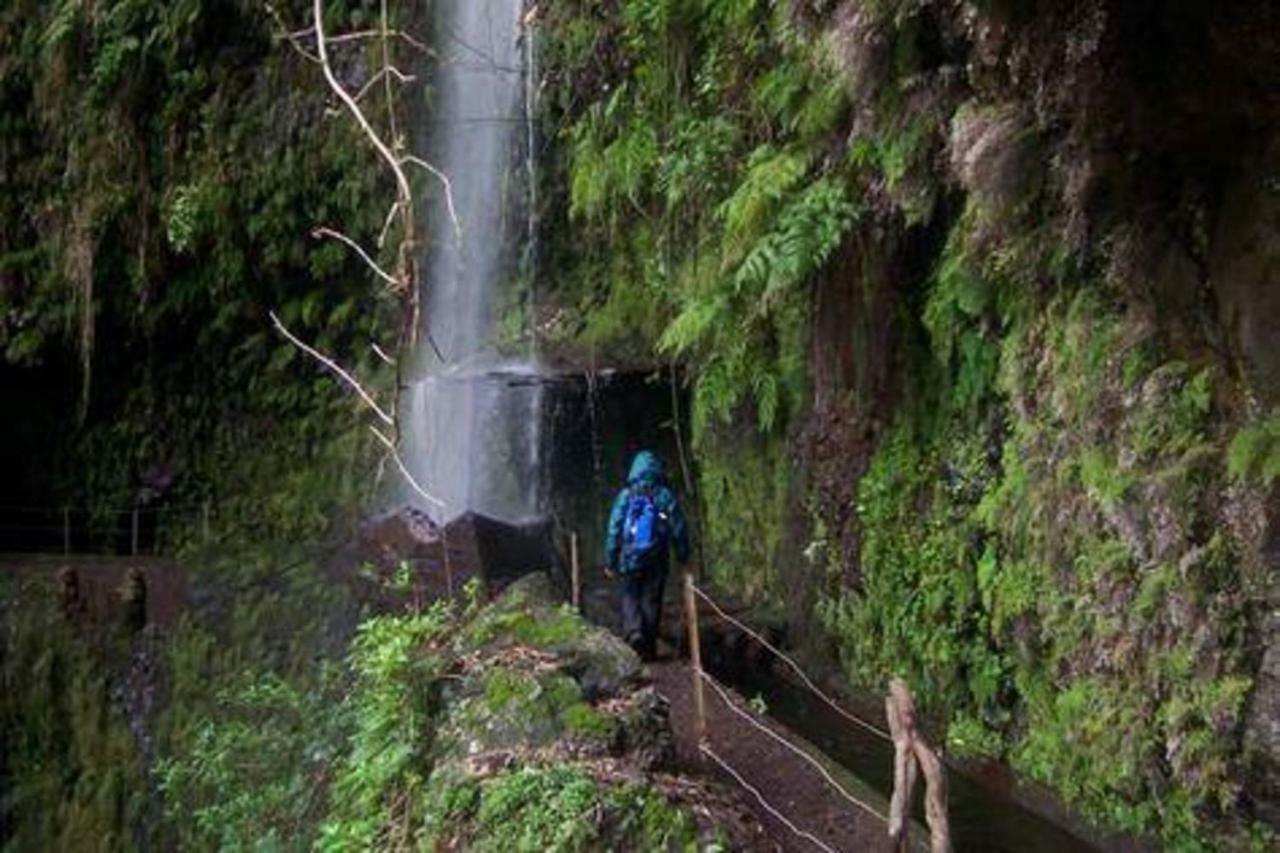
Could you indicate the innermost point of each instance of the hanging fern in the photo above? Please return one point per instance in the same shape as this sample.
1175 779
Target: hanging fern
737 322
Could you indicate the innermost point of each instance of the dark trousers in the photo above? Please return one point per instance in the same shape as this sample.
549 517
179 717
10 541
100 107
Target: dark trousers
642 609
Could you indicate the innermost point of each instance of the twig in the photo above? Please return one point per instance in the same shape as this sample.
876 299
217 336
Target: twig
395 457
388 72
386 225
335 367
448 190
779 816
362 34
377 350
359 250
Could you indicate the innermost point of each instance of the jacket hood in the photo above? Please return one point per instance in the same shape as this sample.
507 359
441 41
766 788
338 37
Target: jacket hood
645 468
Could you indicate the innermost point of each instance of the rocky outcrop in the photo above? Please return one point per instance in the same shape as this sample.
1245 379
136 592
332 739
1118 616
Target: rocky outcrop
538 699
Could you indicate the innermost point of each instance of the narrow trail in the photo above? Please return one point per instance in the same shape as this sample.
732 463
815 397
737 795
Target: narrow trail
790 785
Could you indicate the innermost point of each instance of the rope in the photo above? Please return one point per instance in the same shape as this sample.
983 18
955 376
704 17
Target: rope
733 706
800 833
876 730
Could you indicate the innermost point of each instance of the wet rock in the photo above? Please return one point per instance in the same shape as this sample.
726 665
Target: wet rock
445 558
528 614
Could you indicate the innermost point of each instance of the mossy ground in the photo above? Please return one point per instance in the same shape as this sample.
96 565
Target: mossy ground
455 725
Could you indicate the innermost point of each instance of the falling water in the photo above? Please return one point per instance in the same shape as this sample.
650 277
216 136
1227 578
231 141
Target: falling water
472 417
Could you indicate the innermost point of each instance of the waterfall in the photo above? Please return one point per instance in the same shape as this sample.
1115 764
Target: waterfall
471 417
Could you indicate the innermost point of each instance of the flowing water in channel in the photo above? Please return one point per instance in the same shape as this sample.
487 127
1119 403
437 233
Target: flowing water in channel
471 418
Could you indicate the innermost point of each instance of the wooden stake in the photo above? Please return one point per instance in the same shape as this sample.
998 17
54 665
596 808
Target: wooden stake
204 522
66 530
695 658
912 750
135 531
575 569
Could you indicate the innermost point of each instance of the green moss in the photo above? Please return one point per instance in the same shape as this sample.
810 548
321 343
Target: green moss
744 481
560 807
586 722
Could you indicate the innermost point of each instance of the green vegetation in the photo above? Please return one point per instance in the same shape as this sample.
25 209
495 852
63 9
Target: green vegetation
73 776
1034 521
267 742
165 165
1067 603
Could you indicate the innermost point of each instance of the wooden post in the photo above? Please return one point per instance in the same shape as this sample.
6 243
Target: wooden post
66 530
204 522
912 750
575 569
695 658
135 531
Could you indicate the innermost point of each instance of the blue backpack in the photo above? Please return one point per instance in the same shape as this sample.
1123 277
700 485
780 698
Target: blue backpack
643 530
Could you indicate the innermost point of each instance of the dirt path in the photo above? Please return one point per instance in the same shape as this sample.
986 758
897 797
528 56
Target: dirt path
791 785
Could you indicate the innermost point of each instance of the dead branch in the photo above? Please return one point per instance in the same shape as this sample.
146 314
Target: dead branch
359 250
386 225
388 73
448 190
415 43
395 457
335 368
322 46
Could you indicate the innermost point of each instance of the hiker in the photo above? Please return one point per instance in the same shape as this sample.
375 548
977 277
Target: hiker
646 520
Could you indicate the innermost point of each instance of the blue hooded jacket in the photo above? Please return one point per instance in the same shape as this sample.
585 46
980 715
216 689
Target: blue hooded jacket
646 473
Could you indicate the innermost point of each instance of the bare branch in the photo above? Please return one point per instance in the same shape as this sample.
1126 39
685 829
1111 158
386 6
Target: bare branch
364 34
402 181
395 457
386 225
359 250
335 367
448 190
388 73
377 350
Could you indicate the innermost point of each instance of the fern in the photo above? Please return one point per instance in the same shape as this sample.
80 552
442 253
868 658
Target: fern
770 175
1254 453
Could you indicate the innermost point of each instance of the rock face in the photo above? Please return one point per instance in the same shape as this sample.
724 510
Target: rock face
1024 376
1262 724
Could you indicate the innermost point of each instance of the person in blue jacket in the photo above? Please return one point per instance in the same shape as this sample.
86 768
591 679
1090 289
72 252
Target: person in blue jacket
645 522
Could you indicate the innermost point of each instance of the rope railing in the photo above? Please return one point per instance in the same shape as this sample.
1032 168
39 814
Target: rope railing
779 816
795 667
809 759
127 531
912 751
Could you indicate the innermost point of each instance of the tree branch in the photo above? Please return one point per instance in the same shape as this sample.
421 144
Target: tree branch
335 368
359 250
395 457
448 190
416 43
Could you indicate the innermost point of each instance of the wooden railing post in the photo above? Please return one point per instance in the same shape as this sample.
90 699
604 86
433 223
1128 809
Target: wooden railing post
695 658
911 751
575 570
